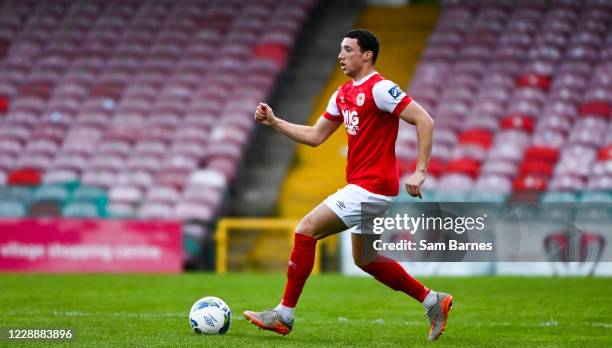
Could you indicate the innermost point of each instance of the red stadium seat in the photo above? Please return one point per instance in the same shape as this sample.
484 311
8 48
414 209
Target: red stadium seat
28 177
605 153
596 109
542 153
530 183
480 137
464 165
521 122
4 104
536 168
533 80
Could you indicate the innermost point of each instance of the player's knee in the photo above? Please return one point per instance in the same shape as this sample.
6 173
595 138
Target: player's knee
360 261
306 227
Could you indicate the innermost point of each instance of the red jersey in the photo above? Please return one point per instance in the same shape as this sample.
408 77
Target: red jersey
369 109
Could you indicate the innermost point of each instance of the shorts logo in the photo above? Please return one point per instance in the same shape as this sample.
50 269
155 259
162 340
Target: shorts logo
395 92
360 99
341 205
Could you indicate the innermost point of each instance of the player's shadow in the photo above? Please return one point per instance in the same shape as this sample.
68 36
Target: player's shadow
270 339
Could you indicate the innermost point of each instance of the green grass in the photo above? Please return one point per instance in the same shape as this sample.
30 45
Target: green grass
151 311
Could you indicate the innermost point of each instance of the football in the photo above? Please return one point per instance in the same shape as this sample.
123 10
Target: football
210 315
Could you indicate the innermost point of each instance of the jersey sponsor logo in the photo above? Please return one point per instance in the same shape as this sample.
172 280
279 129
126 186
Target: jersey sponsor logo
360 99
395 92
351 121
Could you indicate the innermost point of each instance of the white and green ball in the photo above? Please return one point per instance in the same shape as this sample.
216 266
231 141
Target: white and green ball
210 315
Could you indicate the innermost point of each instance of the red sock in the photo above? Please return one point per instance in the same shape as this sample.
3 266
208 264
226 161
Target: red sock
392 274
300 266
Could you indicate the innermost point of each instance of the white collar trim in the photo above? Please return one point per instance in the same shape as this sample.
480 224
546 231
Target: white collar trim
364 79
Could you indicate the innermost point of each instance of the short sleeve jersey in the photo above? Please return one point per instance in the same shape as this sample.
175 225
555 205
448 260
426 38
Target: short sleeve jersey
369 109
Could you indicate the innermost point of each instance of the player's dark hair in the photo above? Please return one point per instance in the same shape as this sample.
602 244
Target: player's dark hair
367 41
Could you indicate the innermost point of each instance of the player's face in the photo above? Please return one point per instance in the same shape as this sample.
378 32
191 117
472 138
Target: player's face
351 58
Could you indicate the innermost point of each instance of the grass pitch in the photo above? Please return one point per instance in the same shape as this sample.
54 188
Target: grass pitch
151 311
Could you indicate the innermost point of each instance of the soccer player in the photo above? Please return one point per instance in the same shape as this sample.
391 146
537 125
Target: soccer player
370 107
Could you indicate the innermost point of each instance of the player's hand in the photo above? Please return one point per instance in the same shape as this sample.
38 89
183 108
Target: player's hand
265 115
413 185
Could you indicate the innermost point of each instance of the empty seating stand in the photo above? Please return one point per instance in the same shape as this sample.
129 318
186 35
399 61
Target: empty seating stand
114 106
521 92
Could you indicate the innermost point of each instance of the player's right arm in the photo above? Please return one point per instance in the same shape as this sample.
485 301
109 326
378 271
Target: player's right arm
308 135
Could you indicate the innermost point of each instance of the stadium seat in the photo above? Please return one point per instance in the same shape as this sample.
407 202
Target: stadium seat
80 210
11 147
193 211
60 176
30 177
567 182
487 197
44 209
85 84
530 182
156 210
202 194
542 154
125 194
500 167
55 193
536 167
89 194
104 179
605 153
12 208
596 197
209 178
464 166
120 210
520 122
562 76
451 196
493 183
161 194
559 197
479 137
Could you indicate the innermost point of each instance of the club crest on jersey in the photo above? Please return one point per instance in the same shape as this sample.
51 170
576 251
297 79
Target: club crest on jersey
351 121
395 92
360 99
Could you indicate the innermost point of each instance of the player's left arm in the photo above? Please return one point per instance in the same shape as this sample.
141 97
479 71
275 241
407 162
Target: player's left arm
414 114
390 98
